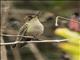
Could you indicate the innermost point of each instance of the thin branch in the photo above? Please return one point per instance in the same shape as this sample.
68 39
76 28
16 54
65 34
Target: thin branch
36 52
16 36
63 18
56 24
43 41
68 19
3 52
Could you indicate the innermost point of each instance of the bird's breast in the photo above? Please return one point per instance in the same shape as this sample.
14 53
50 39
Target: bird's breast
35 29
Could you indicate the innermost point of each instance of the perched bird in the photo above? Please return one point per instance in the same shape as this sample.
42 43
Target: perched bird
31 28
72 46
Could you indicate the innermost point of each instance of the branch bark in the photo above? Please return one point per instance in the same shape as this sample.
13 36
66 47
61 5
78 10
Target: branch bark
5 9
3 51
36 52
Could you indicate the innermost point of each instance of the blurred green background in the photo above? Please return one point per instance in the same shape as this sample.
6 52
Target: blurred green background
48 8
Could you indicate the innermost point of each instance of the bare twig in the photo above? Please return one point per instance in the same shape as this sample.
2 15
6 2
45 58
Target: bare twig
42 41
57 18
36 52
16 36
3 52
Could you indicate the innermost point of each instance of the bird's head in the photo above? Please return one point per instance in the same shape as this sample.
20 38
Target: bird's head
31 16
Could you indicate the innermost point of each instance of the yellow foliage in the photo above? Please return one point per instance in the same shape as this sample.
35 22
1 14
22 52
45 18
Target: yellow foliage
72 47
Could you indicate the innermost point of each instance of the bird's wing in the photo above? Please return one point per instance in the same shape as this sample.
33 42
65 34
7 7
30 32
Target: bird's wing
22 38
22 31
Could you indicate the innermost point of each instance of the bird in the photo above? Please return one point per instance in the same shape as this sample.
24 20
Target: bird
33 27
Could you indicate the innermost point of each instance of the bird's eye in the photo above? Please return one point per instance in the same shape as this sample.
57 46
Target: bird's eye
30 17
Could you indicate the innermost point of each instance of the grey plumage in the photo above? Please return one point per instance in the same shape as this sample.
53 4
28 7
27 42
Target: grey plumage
31 28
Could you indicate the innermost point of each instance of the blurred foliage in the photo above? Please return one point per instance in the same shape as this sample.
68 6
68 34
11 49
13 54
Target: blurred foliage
72 46
56 7
46 4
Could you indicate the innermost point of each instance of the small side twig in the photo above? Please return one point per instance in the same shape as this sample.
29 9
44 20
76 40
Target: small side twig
16 36
56 24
